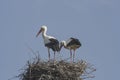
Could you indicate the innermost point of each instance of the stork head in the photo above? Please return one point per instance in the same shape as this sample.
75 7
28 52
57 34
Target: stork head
42 29
62 43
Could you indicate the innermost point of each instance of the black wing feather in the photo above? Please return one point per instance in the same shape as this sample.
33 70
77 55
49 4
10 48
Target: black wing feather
74 41
54 44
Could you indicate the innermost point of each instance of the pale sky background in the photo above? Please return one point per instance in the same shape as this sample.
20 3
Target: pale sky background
96 23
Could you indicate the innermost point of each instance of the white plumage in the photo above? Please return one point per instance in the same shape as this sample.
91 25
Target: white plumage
71 44
49 41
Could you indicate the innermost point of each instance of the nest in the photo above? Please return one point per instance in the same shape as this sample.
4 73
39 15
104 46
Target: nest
59 70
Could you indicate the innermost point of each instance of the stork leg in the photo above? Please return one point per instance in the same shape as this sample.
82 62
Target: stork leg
71 55
49 54
54 55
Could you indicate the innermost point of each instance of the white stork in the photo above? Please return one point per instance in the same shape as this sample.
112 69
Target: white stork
71 44
49 41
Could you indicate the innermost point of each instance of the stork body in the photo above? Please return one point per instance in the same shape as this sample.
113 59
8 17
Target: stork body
49 41
71 44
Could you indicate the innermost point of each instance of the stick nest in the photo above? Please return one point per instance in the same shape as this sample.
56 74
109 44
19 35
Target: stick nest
59 70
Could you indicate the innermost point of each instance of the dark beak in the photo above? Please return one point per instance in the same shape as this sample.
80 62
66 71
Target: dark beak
39 32
61 46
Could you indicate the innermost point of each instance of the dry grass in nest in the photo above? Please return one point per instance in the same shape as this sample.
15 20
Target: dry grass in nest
59 70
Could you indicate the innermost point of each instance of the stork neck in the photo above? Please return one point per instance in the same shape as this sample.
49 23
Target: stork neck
44 33
64 44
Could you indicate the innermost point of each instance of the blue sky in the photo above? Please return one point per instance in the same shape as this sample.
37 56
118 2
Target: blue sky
94 22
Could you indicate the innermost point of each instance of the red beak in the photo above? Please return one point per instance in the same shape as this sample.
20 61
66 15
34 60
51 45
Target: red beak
39 32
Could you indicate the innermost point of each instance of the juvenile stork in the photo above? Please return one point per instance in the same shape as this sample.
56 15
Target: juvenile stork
71 44
49 41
